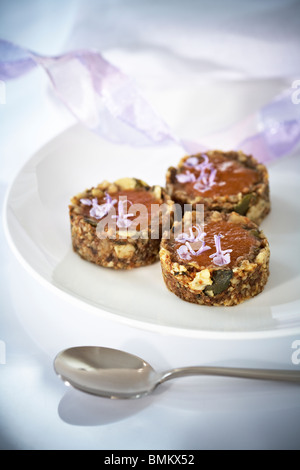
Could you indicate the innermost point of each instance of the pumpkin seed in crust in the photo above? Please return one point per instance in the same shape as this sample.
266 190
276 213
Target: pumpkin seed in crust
221 282
243 206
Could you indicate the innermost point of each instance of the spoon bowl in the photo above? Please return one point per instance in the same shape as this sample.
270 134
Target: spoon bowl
117 374
106 372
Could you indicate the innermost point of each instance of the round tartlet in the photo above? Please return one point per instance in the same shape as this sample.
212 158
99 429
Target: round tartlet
119 247
222 181
203 279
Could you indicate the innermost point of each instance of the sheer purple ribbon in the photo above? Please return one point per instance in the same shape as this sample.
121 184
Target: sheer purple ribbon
279 129
109 103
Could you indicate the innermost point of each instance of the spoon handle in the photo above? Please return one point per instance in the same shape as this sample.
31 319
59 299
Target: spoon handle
261 374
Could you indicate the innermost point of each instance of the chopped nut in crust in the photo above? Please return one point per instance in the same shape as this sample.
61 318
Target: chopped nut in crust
201 280
124 251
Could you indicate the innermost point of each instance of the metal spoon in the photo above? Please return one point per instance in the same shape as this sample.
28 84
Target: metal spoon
117 374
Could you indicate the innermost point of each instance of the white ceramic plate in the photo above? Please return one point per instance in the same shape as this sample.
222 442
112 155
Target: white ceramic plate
37 227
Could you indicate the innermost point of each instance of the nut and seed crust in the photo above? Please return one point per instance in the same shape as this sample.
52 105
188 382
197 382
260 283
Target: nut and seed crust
118 253
254 203
201 286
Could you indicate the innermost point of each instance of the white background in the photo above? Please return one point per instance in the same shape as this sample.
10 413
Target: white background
164 45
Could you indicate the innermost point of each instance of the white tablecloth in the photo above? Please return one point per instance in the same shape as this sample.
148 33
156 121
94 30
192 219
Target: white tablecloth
162 45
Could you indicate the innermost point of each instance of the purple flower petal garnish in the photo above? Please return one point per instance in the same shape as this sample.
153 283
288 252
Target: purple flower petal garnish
186 250
212 176
206 179
122 217
98 211
221 257
198 252
86 202
191 162
123 222
186 177
203 164
184 237
184 253
207 176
